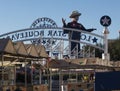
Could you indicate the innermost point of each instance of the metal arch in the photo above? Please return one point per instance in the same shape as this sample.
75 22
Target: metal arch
28 29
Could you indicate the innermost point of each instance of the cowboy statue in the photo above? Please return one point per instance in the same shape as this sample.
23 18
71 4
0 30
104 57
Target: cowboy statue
74 35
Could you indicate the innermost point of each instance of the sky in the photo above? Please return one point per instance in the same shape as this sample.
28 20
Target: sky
20 14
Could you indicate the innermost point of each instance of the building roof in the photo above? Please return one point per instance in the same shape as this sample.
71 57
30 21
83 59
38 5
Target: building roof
82 63
6 46
10 51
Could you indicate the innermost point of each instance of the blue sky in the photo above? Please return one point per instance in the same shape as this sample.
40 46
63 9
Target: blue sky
20 14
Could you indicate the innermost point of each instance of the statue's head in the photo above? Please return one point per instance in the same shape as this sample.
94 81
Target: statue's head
74 14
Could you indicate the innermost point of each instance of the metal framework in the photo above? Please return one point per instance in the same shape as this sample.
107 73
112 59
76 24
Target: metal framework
40 35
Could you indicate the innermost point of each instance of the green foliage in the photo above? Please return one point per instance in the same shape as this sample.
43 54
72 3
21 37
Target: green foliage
114 49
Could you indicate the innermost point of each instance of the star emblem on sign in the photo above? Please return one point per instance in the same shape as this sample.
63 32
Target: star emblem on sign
94 40
105 21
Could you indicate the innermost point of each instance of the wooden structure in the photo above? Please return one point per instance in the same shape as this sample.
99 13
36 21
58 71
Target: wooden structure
12 54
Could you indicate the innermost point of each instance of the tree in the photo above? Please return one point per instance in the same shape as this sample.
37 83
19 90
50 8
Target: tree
114 49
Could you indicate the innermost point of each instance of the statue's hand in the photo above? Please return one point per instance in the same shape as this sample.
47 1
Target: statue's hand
91 29
94 29
63 21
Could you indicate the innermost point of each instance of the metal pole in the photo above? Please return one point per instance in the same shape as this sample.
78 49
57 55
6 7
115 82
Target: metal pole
25 75
77 51
83 51
89 52
2 69
106 40
61 49
60 79
50 79
69 36
39 76
106 32
31 72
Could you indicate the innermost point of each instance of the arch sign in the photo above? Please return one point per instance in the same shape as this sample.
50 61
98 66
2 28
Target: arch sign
46 32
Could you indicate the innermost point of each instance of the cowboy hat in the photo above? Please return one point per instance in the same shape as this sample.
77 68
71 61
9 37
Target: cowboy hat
74 14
